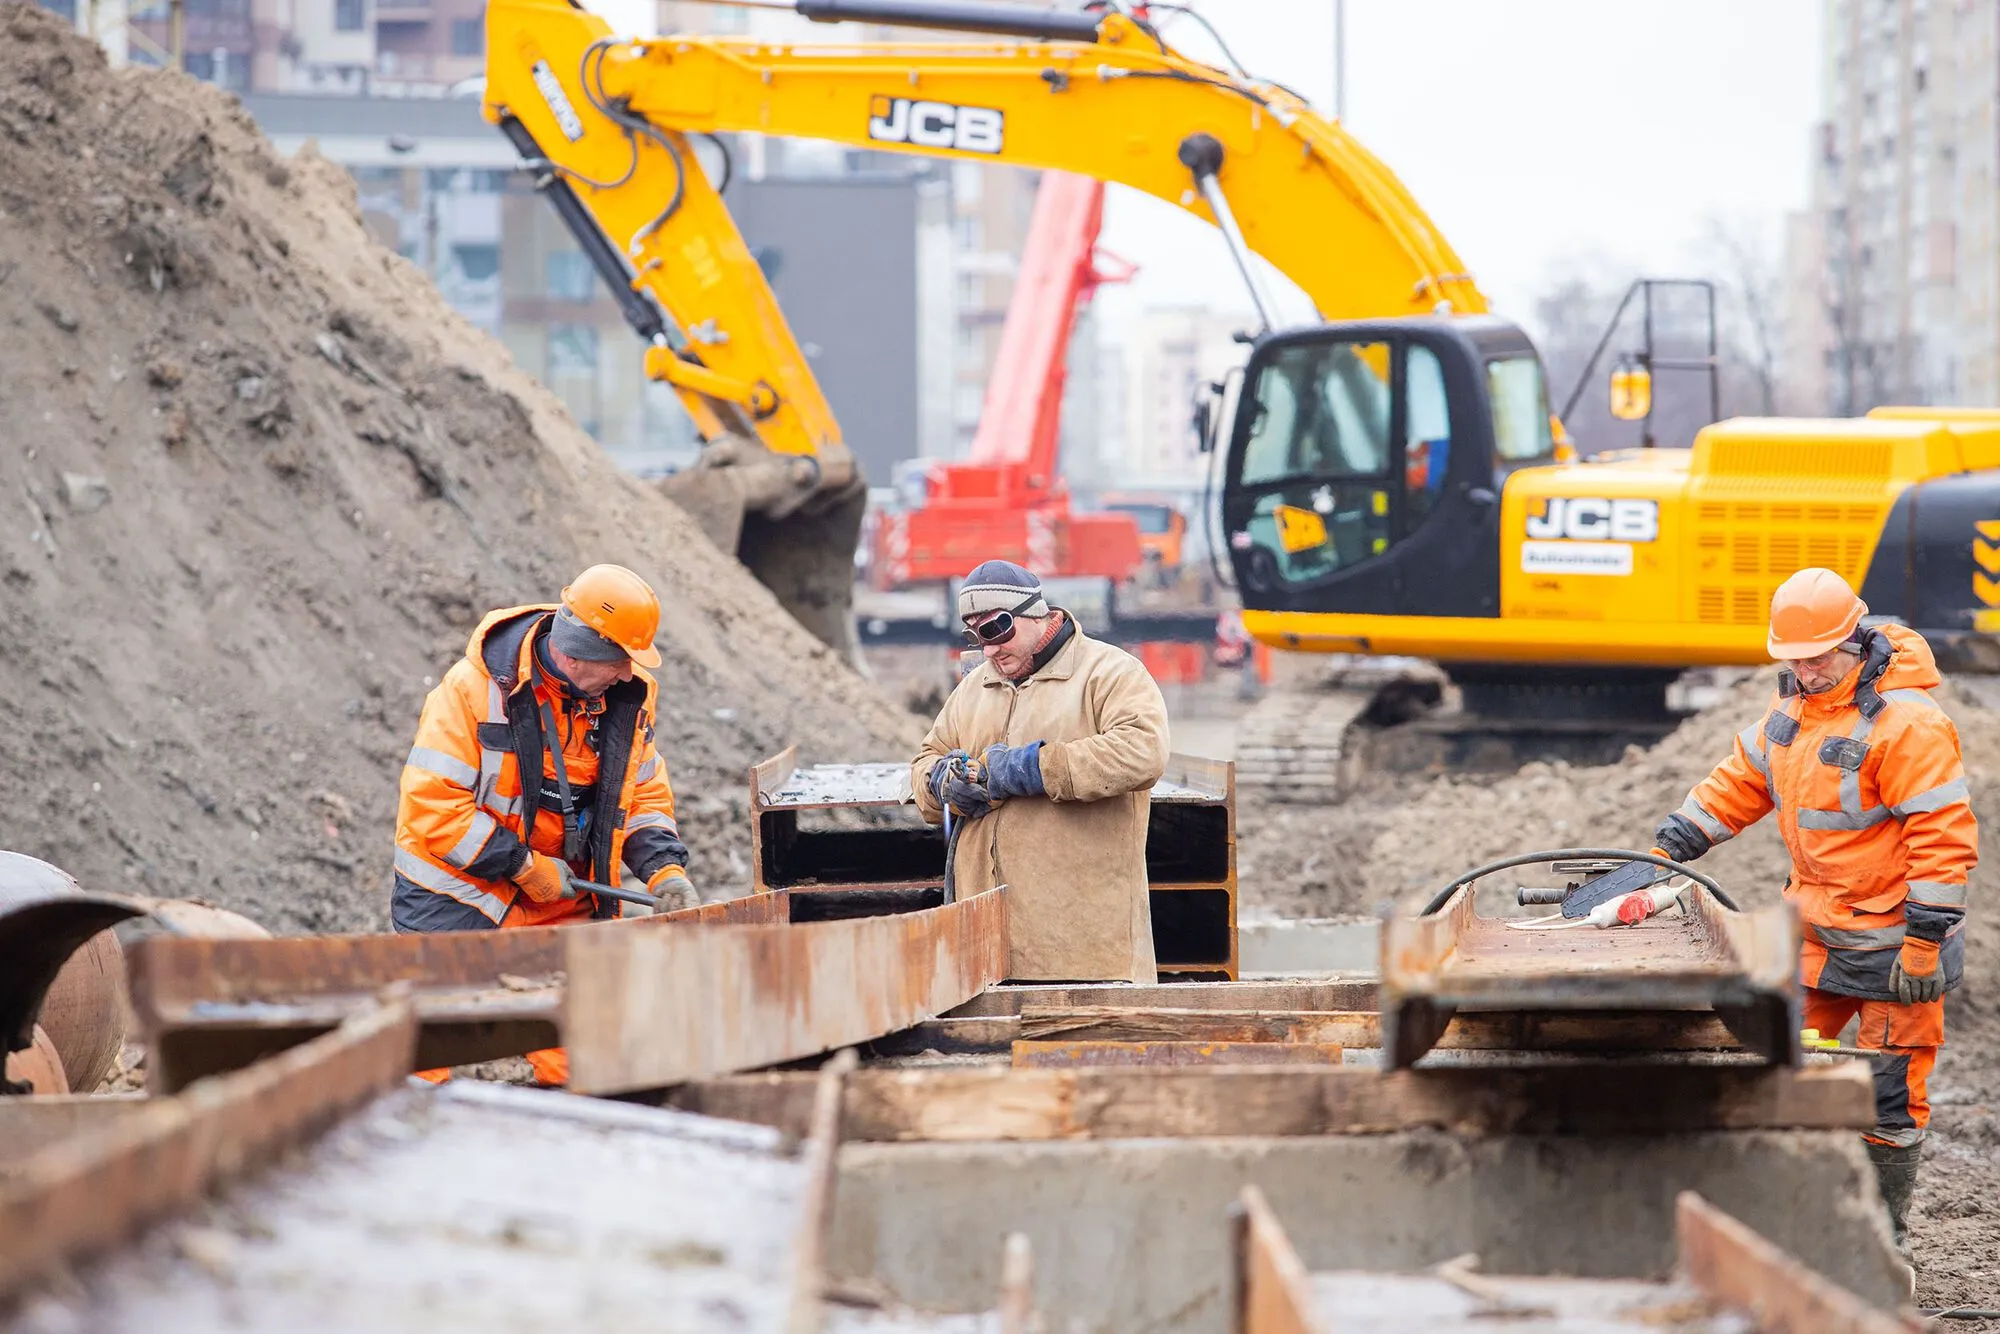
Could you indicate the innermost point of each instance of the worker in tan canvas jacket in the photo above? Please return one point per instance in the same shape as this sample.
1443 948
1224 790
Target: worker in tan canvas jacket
1048 751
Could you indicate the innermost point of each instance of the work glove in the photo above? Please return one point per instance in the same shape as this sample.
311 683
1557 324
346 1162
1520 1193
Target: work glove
1014 771
1679 839
671 879
956 782
1916 976
546 879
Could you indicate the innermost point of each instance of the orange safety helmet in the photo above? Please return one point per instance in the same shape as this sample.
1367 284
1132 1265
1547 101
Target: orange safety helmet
616 603
1811 612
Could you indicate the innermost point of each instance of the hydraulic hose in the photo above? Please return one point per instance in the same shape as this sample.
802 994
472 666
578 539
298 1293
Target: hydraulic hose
1579 854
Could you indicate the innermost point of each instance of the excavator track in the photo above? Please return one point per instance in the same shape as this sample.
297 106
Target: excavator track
1393 715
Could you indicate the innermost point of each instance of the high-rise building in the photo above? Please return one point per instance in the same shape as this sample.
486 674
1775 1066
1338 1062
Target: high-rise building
1172 352
1906 186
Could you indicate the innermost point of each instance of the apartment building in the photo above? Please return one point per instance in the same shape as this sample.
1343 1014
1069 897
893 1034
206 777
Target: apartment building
1172 351
1906 306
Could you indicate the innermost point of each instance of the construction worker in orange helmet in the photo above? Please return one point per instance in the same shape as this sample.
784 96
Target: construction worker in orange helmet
534 767
1861 768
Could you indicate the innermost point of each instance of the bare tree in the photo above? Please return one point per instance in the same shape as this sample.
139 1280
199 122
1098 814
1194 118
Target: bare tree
1748 272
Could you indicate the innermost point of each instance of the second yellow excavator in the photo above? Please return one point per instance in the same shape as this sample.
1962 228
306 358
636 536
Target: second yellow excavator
1391 481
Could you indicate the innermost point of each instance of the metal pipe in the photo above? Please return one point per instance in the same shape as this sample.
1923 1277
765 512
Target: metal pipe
1443 896
1201 154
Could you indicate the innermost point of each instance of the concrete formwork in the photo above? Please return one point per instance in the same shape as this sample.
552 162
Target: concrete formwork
1132 1235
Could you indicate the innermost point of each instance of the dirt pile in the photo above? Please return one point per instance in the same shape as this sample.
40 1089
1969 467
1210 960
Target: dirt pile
263 482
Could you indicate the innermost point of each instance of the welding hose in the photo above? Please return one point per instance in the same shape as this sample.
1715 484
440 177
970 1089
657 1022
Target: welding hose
1577 854
952 829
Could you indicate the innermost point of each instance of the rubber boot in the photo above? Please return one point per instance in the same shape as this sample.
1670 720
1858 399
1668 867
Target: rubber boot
1896 1174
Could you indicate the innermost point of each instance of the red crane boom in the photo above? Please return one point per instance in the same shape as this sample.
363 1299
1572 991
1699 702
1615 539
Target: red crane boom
1008 500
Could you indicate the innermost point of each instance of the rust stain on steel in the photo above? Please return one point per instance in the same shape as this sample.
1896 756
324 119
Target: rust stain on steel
1171 1055
1742 965
88 1193
647 1009
209 1005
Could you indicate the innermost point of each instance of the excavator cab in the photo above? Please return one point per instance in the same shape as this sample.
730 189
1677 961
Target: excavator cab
1365 462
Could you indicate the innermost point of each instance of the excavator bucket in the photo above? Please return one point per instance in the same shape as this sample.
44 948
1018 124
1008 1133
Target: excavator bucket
44 918
795 522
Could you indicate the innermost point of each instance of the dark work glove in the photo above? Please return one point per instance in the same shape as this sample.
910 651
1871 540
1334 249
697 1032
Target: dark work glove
1014 771
956 783
1680 839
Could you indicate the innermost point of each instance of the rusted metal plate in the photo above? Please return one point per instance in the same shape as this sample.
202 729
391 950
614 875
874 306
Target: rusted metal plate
1742 966
1301 996
1560 1030
212 1005
1170 1055
1273 1293
987 1102
1737 1267
90 1192
779 783
644 1009
31 1124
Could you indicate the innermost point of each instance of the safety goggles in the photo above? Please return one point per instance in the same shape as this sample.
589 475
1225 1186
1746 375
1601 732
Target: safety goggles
1000 629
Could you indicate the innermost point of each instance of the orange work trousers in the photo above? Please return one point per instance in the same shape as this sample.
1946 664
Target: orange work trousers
1908 1036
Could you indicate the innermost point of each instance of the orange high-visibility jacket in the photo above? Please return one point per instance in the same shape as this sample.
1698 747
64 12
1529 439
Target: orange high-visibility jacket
463 817
1871 799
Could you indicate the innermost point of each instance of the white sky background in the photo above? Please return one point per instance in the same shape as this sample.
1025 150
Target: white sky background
1538 134
1532 132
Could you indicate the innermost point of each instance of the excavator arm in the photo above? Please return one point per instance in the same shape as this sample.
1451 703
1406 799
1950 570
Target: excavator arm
609 121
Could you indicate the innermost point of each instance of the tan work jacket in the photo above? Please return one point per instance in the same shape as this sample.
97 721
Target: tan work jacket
1074 861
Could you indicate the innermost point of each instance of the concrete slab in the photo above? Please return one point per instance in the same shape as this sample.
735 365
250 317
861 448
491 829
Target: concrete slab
1132 1236
1295 947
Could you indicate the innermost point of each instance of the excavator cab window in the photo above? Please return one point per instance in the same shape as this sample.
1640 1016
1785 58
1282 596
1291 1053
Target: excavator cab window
1329 453
1520 397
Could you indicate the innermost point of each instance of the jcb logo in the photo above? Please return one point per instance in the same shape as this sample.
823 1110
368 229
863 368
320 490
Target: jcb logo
1594 519
899 120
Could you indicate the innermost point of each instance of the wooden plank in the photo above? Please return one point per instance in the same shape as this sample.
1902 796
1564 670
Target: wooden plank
1737 1267
1688 1030
644 1009
91 1192
807 1311
1017 1285
998 1103
1169 1055
1273 1292
1329 994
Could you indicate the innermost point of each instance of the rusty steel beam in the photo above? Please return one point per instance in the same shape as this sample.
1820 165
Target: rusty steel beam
89 1193
1273 1290
1741 966
645 1009
211 1005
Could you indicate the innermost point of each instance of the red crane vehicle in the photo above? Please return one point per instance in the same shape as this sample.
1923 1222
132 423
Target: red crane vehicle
1008 499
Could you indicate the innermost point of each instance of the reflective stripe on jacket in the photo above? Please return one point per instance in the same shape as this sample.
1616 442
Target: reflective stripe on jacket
462 814
1871 799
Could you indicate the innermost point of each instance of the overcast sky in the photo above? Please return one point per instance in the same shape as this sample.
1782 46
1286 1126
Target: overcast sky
1534 132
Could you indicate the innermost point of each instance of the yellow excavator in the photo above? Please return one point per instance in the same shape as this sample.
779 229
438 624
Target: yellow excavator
1393 482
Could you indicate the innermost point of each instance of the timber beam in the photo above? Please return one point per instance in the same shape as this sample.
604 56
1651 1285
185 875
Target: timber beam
999 1103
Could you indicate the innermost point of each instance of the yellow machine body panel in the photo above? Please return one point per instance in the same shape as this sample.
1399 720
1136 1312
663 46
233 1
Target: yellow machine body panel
1668 558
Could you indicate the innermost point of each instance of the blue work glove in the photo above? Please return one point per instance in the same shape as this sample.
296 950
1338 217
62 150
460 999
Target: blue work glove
955 782
1014 771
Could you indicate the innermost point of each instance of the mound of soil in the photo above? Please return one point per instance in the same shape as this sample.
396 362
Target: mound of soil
263 482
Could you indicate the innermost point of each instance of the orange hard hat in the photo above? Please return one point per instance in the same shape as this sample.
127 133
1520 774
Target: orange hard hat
1811 612
616 603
